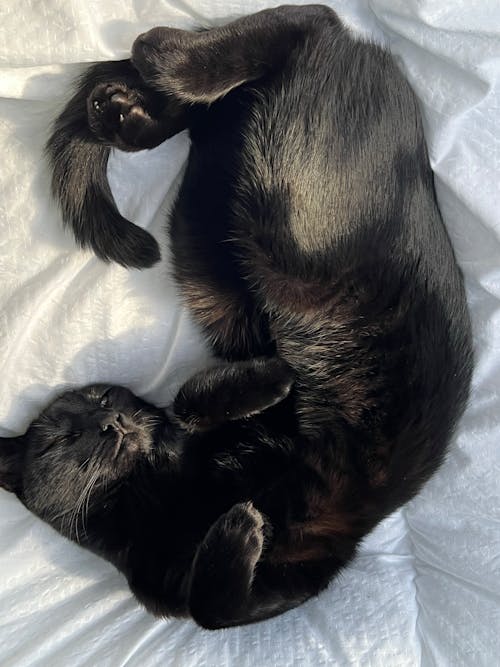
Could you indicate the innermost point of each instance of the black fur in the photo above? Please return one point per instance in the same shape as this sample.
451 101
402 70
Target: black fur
306 230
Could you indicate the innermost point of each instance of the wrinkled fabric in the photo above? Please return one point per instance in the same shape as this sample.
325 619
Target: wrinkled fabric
425 588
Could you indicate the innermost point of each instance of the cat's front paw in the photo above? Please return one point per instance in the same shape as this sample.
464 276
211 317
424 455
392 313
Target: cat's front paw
116 114
224 566
242 531
231 392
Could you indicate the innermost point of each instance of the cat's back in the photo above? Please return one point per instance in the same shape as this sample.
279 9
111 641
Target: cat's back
362 288
331 142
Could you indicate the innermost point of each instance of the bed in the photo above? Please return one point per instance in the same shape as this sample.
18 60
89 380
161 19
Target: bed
425 588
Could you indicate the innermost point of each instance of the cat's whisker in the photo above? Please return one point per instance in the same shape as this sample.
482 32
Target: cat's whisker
95 479
86 506
84 464
82 502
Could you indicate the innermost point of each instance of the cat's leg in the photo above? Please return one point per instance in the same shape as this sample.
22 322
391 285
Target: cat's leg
201 67
224 566
231 584
111 107
232 391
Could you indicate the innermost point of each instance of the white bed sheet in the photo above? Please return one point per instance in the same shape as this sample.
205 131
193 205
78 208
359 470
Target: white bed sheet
425 589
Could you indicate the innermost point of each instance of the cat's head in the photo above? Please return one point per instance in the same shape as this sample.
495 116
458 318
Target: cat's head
85 442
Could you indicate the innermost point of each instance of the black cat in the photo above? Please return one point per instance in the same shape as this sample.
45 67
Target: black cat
305 233
122 478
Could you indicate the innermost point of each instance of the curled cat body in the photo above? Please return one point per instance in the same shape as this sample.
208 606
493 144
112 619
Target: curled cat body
308 245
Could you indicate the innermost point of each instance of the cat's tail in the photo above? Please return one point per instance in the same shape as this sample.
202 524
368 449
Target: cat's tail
78 161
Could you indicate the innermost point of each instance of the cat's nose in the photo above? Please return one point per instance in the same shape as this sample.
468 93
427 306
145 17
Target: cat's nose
111 422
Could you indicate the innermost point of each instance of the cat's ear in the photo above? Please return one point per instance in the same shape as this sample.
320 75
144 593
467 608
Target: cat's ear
12 451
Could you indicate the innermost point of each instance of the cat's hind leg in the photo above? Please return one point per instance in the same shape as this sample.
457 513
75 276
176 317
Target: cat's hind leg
201 67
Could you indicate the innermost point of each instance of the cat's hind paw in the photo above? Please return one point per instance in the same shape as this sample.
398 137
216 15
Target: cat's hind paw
116 114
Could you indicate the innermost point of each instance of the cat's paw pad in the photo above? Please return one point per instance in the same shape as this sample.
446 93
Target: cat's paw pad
110 107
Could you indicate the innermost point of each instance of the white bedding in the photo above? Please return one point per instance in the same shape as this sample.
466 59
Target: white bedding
425 589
